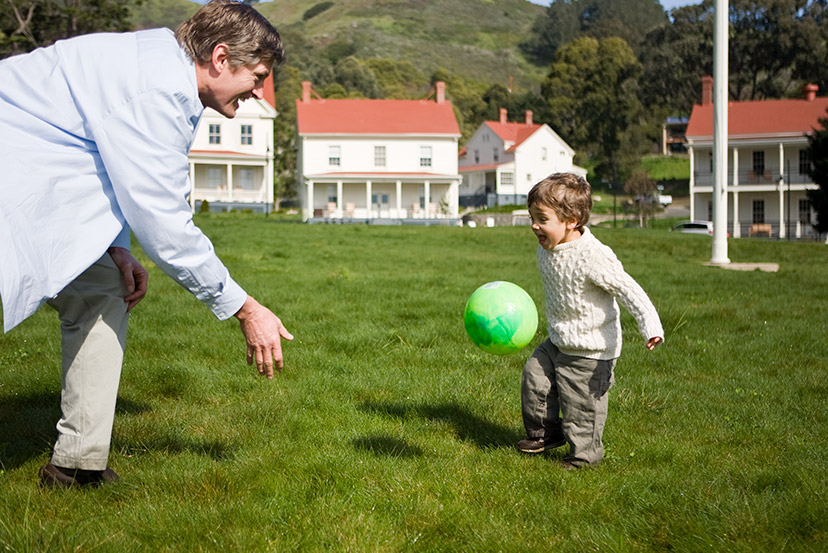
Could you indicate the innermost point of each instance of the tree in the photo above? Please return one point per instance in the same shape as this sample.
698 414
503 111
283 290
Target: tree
818 171
775 46
643 190
29 24
592 94
565 20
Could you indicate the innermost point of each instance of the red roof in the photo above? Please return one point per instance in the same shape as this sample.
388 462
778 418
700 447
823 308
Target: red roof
269 90
375 117
513 132
760 118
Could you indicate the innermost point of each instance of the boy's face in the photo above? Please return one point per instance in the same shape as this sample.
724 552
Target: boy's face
549 229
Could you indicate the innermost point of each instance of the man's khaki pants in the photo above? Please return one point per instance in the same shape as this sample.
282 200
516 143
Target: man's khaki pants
93 323
561 392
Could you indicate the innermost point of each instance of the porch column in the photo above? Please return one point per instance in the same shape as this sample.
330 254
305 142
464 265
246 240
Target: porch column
307 211
426 197
229 182
192 187
737 231
692 184
783 232
454 198
339 206
368 187
399 199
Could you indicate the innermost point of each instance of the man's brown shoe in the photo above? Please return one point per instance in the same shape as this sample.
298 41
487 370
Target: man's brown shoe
539 445
59 477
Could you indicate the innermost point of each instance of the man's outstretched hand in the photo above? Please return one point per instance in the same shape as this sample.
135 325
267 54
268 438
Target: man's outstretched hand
263 332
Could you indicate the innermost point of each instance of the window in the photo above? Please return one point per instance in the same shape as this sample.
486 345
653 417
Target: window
758 211
495 155
805 211
485 137
528 177
804 162
711 162
246 178
334 156
379 199
425 156
214 177
507 179
477 156
758 163
215 134
543 153
247 134
379 156
332 194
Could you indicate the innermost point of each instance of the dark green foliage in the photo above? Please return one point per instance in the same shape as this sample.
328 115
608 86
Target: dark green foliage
316 10
29 24
818 153
567 19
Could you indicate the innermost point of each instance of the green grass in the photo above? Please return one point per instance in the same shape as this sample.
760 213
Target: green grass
388 431
667 167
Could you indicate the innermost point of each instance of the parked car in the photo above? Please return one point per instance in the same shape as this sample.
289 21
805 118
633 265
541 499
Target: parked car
694 227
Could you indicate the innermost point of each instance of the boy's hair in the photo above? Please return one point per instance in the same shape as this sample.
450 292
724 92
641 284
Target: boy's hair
568 195
249 36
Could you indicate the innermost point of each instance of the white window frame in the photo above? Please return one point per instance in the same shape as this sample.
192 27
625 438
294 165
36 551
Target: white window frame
425 156
379 156
247 135
335 156
214 133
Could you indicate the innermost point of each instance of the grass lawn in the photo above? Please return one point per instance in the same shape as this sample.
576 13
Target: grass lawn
389 431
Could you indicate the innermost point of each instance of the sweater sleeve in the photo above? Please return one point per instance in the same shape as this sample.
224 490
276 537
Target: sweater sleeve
608 274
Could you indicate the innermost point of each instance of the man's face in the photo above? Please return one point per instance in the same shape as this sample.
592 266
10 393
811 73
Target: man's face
229 86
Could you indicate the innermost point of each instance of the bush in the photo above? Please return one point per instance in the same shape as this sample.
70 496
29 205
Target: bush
316 10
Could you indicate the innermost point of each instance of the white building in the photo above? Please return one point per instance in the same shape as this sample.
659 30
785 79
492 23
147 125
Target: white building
502 161
767 163
231 160
377 160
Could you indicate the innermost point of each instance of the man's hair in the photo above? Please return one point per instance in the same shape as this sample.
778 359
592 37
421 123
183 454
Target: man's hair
568 195
249 36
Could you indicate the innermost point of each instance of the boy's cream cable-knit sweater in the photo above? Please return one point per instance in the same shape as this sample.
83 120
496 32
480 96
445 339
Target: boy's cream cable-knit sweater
582 280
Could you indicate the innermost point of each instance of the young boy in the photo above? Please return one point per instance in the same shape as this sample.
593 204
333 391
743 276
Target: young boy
565 382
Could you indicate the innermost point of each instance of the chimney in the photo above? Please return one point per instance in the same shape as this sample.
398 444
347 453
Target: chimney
503 119
441 91
528 116
809 91
306 92
707 90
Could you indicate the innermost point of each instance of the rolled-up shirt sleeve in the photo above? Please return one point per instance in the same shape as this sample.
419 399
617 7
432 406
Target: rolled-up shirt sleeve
143 144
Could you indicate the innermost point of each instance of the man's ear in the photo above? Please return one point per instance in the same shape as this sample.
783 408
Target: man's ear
220 59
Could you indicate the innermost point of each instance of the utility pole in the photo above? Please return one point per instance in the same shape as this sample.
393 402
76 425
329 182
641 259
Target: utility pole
720 82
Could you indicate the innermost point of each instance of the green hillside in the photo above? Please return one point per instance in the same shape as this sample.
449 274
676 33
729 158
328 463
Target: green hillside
476 40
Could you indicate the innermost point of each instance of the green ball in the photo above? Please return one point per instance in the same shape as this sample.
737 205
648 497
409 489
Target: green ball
501 318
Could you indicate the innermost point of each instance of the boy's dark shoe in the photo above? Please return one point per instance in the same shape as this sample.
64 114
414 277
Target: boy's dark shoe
541 444
58 477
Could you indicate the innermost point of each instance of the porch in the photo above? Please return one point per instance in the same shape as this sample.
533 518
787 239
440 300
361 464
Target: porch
380 200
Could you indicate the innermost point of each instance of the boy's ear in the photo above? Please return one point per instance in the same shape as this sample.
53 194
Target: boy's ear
572 225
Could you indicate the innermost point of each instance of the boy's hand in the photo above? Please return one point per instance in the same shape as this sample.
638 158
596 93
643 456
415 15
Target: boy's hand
653 342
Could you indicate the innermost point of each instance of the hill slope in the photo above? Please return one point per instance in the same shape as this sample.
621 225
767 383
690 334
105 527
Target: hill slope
474 39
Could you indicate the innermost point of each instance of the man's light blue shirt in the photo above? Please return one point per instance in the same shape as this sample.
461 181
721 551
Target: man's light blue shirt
94 137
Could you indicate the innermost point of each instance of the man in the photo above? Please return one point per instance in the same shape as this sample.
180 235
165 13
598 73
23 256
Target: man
94 137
